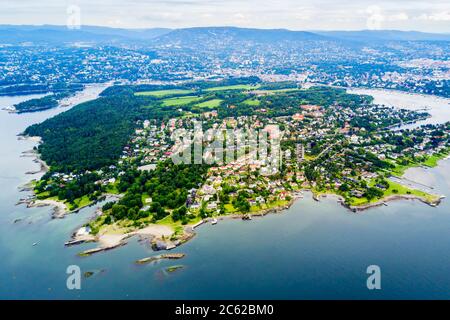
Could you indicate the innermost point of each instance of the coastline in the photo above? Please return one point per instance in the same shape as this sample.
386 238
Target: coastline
59 209
160 236
396 91
383 201
165 239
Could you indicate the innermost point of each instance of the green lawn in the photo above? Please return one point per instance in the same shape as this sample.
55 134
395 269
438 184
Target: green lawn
433 160
180 101
252 102
81 202
270 205
229 208
234 87
210 104
163 93
404 190
284 90
112 188
400 190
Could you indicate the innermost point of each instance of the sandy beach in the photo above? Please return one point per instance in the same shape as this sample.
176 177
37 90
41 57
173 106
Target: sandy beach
155 230
107 241
163 233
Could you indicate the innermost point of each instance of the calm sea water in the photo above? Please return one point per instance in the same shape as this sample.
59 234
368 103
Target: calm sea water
313 250
437 107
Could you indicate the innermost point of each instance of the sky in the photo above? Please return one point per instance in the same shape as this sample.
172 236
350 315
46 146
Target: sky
420 15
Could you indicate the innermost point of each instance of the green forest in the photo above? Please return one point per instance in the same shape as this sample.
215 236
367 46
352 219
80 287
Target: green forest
92 135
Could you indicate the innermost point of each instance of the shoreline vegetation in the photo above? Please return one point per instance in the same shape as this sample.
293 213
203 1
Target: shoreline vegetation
165 226
57 98
163 237
160 236
165 240
60 208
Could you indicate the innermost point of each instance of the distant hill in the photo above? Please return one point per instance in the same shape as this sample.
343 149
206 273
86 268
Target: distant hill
228 35
208 37
385 35
47 34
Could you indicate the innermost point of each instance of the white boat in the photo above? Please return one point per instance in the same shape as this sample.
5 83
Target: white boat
35 244
214 221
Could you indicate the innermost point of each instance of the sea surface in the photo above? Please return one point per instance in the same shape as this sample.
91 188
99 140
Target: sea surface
314 250
437 107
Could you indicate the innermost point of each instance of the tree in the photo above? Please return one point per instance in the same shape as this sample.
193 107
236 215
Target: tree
179 214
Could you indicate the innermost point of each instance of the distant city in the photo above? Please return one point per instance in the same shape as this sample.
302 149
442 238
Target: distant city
51 58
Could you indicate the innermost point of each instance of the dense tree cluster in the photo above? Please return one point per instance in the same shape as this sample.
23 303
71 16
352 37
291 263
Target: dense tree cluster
167 186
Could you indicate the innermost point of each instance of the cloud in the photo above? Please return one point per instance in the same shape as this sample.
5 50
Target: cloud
305 13
398 17
424 15
375 18
440 16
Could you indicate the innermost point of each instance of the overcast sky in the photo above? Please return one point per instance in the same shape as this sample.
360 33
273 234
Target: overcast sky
430 15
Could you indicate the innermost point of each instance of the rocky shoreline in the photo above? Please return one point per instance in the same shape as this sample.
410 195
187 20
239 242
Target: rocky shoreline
156 239
384 201
169 256
160 243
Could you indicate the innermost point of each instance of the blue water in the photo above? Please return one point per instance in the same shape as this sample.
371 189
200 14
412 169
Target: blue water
313 250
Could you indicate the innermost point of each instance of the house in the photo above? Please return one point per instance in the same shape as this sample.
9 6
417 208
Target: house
298 117
207 189
195 206
260 199
83 231
354 139
211 206
356 193
149 167
282 195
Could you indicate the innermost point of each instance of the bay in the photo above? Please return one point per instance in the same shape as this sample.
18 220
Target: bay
312 250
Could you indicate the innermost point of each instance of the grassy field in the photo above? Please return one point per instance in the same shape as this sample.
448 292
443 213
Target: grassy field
177 226
80 202
180 101
393 190
431 161
210 104
229 208
234 87
252 102
163 93
281 90
270 205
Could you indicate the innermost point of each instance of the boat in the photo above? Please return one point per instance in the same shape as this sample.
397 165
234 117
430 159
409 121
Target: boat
214 221
35 244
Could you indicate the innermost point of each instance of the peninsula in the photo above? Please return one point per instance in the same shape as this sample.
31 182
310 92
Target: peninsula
121 147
